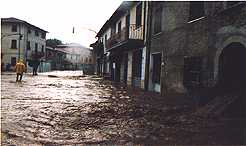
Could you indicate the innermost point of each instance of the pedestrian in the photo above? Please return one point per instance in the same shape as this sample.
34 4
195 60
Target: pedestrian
35 67
19 69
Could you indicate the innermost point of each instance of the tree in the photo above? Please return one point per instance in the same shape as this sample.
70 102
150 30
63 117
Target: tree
53 42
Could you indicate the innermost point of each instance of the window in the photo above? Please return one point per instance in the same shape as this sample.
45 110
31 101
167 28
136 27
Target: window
139 15
29 31
192 71
36 47
14 28
113 29
89 60
13 61
86 60
28 45
127 25
42 49
157 17
14 44
36 33
119 27
105 39
156 68
43 36
196 10
102 40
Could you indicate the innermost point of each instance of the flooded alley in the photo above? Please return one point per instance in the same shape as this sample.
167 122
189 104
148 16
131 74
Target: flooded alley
69 108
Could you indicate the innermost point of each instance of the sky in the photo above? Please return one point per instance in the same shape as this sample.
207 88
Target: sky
58 17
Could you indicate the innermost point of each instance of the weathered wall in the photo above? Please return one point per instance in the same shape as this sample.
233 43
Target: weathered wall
205 38
6 41
227 27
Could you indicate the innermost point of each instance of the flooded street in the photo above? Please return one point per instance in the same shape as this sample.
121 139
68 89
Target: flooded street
67 108
29 109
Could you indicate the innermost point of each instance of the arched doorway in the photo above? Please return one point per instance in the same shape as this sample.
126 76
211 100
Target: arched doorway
232 68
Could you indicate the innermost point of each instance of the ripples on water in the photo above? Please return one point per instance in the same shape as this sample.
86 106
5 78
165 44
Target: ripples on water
30 108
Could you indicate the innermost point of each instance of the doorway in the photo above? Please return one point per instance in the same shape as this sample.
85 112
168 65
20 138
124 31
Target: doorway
232 68
137 67
156 71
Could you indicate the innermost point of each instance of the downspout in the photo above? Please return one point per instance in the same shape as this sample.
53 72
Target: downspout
148 44
19 41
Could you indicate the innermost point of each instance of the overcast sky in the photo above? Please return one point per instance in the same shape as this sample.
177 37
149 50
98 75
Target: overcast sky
59 17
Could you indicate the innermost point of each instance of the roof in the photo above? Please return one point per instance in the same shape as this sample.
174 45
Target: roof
121 10
72 45
15 20
50 48
63 50
72 48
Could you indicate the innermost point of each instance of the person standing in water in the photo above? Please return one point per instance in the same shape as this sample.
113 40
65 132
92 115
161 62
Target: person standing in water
19 69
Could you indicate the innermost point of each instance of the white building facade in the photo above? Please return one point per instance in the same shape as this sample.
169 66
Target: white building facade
21 40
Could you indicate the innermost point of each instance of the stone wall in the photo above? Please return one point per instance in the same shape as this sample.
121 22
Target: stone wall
205 38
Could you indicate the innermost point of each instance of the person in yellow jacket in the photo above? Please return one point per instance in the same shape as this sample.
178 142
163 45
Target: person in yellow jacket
19 69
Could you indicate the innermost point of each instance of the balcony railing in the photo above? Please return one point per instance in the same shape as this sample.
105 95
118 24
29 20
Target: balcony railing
132 32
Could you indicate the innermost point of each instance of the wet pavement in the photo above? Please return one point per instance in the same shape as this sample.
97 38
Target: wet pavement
68 108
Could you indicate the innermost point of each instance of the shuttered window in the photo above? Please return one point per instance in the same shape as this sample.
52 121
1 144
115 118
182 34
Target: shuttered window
157 17
139 15
192 71
196 10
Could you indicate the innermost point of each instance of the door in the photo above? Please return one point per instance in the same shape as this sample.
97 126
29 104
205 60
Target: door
137 67
127 25
156 74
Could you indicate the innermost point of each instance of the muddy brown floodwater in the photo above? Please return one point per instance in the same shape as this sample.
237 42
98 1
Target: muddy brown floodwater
67 108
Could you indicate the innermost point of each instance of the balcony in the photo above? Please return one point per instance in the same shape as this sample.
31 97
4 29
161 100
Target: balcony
126 38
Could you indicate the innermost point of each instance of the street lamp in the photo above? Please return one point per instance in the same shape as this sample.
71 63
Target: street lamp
86 29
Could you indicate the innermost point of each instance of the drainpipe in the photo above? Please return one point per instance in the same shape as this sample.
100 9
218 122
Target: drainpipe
19 41
148 44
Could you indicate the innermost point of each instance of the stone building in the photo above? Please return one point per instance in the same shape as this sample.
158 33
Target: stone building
195 45
21 40
181 46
